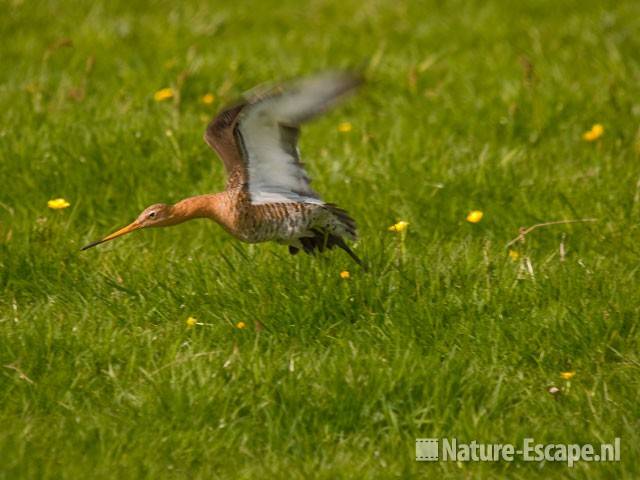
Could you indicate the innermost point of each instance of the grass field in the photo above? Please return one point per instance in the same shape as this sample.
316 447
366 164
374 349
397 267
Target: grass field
468 106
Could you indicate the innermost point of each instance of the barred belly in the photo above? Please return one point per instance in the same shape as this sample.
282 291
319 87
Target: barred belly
280 222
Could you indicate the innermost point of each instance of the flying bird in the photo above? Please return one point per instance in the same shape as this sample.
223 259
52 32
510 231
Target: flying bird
268 196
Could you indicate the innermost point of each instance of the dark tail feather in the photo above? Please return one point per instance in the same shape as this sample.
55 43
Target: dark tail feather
340 243
323 240
348 223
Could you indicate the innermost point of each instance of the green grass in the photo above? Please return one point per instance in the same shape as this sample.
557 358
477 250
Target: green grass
469 105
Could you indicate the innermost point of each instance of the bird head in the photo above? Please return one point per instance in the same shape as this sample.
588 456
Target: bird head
157 215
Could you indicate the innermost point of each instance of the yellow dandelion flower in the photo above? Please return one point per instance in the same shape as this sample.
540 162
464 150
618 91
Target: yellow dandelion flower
163 94
345 127
191 322
208 98
474 216
399 227
595 133
567 375
514 255
345 274
58 203
241 325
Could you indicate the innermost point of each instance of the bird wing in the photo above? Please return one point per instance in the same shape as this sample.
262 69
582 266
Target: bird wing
220 137
267 133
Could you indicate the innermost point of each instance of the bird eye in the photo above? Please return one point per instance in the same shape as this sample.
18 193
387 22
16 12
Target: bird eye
152 215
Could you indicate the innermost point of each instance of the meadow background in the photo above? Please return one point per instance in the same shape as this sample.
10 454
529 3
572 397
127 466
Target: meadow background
469 106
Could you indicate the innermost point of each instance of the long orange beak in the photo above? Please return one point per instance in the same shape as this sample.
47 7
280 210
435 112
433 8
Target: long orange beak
123 231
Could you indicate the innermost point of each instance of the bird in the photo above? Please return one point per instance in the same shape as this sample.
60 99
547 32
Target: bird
268 196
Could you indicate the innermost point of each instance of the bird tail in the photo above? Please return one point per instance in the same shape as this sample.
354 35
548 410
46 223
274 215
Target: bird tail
340 243
322 240
340 226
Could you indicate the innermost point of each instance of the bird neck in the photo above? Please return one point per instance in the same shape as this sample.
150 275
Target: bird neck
201 206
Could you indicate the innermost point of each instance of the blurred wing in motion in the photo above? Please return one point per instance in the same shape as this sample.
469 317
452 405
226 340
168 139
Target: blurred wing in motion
258 139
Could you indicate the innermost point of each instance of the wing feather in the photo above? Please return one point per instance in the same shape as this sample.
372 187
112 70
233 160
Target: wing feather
221 138
268 129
